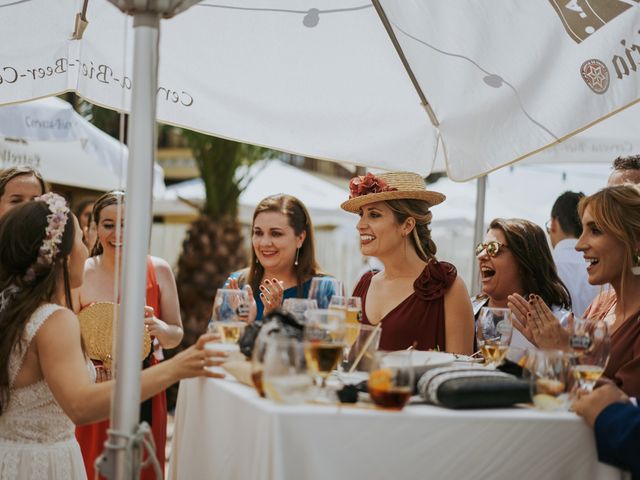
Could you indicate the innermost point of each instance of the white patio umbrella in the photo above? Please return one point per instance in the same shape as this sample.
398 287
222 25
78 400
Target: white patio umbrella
381 83
71 150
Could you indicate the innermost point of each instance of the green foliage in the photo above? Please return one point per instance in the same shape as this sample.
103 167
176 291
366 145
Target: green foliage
218 160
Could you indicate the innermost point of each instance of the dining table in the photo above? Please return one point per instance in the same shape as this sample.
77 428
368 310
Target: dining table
224 430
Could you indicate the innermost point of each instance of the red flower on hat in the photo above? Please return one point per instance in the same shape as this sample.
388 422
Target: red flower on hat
364 185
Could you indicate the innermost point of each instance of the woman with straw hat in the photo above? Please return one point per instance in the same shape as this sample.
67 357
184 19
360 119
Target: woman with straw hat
417 300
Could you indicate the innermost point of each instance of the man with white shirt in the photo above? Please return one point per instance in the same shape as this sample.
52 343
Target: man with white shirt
564 228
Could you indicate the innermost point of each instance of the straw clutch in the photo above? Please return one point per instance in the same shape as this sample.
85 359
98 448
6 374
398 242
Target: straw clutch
97 325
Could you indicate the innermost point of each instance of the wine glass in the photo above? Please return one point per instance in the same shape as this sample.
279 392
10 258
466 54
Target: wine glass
493 332
590 343
284 375
324 332
323 288
549 379
229 314
297 306
391 379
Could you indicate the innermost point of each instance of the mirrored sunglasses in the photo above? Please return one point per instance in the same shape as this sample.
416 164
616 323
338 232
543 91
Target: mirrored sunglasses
492 248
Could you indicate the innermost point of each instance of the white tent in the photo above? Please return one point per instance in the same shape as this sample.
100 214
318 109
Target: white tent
322 198
48 134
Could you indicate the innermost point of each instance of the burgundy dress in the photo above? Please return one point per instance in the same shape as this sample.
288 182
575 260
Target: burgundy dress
418 318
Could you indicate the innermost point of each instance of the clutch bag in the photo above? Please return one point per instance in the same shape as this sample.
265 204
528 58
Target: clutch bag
97 324
463 386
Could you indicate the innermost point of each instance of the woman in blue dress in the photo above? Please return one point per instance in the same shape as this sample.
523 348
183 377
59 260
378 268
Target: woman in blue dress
283 260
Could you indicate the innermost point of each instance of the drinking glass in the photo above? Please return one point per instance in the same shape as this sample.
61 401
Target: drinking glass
351 308
229 314
391 380
590 343
324 332
323 288
257 363
550 380
284 375
493 332
297 306
363 348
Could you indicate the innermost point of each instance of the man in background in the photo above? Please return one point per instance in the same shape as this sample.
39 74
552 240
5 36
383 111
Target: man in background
625 170
564 228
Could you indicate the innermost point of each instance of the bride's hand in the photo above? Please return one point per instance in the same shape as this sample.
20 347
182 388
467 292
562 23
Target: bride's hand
195 360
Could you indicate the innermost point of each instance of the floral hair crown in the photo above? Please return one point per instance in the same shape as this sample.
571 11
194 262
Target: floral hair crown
56 221
369 183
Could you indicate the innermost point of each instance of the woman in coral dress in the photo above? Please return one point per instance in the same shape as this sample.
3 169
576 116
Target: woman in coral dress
162 319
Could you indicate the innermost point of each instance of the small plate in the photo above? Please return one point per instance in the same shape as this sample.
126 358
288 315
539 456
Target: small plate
421 361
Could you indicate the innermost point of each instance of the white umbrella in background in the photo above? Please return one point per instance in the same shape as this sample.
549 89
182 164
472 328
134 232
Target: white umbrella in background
50 135
380 84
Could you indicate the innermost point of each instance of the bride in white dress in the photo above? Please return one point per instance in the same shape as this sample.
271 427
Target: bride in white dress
46 382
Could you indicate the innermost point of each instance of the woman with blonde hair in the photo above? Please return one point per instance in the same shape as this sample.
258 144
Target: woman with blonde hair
418 300
610 243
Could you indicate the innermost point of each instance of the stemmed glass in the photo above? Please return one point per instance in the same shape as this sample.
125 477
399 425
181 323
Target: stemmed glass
493 332
324 332
229 314
590 342
297 306
323 288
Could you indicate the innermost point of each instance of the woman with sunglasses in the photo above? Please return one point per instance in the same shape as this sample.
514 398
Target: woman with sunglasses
515 258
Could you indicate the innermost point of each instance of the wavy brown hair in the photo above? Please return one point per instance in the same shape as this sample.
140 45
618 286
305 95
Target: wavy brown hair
420 237
22 231
616 211
114 197
528 244
300 221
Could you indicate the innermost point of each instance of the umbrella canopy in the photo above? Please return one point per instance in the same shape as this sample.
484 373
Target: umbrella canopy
487 86
66 163
270 177
70 149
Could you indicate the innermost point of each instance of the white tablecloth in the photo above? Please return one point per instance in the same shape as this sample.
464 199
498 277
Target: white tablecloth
223 430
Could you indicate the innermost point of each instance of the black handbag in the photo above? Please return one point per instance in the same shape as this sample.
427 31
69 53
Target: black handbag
277 322
472 386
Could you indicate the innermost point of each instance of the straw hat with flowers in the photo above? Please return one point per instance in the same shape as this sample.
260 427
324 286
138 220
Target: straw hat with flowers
388 186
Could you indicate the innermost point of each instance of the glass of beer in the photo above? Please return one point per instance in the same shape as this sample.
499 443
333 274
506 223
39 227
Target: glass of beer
324 333
391 380
229 314
493 332
590 343
351 308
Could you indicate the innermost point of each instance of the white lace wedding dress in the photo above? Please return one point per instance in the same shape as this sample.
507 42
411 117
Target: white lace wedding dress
37 438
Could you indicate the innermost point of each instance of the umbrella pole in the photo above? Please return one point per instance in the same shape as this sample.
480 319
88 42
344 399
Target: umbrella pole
122 457
478 232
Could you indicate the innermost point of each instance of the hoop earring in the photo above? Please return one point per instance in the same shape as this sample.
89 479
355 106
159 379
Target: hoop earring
297 255
635 269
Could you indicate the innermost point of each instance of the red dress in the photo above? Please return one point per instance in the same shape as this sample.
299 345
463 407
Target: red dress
93 436
418 318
